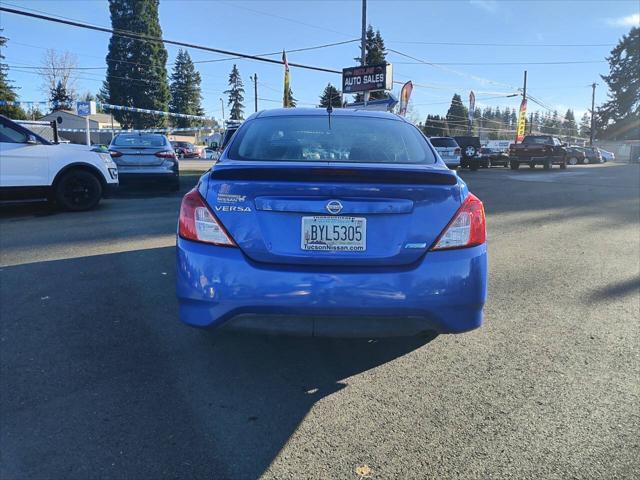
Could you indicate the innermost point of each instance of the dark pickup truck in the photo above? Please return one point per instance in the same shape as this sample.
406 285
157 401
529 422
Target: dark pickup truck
538 150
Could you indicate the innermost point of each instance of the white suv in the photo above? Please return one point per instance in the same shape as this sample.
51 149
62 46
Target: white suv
33 169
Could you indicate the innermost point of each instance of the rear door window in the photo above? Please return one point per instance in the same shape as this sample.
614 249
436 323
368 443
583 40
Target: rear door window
443 142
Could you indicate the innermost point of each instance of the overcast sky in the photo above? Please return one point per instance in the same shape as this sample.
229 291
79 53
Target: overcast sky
268 26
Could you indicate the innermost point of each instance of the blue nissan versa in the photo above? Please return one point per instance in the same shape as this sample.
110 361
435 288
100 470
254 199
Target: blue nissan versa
343 223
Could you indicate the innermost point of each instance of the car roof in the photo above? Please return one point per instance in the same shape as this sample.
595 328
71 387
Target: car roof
322 112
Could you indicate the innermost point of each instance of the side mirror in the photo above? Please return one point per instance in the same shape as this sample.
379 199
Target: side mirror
31 140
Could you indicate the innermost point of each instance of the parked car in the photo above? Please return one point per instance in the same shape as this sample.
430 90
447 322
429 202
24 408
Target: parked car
592 155
185 149
448 150
75 177
211 153
348 225
145 157
575 155
535 150
470 149
606 155
494 157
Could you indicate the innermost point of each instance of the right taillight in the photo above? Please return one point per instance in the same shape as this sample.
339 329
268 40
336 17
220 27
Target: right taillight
457 151
466 229
199 224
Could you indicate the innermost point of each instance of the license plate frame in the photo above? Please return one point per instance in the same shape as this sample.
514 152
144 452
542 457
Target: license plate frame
323 239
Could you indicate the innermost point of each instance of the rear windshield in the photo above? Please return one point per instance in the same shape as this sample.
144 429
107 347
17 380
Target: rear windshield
538 140
348 139
443 142
136 140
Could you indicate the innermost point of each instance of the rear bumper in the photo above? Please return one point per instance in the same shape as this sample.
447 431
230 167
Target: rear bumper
217 286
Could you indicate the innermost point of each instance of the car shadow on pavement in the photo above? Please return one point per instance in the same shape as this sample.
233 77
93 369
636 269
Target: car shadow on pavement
616 290
100 379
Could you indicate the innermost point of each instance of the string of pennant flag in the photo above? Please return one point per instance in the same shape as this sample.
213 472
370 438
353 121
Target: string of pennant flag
108 106
148 130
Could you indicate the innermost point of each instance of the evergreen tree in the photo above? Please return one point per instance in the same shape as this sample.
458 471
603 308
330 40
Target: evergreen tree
185 91
435 126
375 54
60 98
457 116
620 115
236 94
291 101
585 125
330 95
7 90
136 69
569 127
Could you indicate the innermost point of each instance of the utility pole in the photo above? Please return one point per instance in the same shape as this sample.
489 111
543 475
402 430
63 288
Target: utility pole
255 91
524 89
222 104
593 113
530 123
363 44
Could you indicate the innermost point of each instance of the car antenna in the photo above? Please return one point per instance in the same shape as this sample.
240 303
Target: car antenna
329 107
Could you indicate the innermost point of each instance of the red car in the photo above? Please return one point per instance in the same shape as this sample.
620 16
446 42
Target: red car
185 150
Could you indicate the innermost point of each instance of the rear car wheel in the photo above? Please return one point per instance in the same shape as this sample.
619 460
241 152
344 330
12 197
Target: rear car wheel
514 165
573 161
174 185
78 190
532 165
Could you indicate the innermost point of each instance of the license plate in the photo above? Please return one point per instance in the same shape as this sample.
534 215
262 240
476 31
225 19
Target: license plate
335 234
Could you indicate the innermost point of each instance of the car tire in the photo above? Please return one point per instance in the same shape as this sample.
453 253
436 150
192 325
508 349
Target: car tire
547 164
174 186
573 161
514 165
470 151
78 190
585 161
563 165
532 165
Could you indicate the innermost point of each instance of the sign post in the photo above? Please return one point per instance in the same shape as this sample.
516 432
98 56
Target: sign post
84 109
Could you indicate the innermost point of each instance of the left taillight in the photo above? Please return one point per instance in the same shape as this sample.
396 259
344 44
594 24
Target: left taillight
115 153
199 224
466 229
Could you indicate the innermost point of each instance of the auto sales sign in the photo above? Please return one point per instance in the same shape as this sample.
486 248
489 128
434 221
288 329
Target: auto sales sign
367 78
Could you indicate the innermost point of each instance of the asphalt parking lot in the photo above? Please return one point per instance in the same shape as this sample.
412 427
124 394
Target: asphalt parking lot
98 378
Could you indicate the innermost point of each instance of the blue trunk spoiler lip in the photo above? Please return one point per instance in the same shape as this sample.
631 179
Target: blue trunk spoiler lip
340 172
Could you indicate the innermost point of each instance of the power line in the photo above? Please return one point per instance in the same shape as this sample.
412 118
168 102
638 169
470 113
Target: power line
477 44
565 62
139 36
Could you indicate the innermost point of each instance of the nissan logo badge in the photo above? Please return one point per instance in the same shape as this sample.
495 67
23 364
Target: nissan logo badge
334 207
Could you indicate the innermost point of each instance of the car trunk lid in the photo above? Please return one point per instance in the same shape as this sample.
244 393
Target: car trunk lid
271 209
